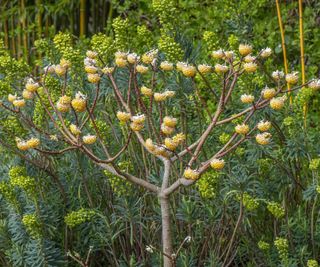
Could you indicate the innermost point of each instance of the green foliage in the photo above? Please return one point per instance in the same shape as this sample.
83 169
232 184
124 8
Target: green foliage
78 217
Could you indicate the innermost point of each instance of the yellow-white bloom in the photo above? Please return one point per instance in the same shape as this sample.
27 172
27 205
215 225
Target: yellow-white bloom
179 138
32 86
149 145
20 103
263 138
91 54
90 69
292 78
94 78
247 99
148 57
250 67
245 49
277 103
170 144
121 62
170 121
191 174
12 98
314 84
169 93
123 116
138 118
242 129
89 139
27 94
108 70
268 93
181 65
75 130
136 126
33 142
249 58
228 54
133 58
204 68
79 103
264 126
266 52
158 97
189 71
217 164
65 63
218 54
146 91
166 129
166 66
60 71
120 54
142 69
277 75
221 68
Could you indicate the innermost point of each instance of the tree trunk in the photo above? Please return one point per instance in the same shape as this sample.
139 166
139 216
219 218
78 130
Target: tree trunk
166 232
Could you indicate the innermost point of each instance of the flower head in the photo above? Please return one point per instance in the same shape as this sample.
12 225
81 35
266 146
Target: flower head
277 75
204 69
242 129
191 174
123 116
268 93
189 71
217 164
245 49
79 103
166 129
11 98
264 126
218 54
266 52
32 86
169 121
75 130
91 54
146 91
292 78
148 57
94 78
247 99
108 70
60 70
221 68
132 58
277 103
19 103
27 94
33 142
250 67
142 69
166 66
170 144
89 139
314 84
90 69
263 138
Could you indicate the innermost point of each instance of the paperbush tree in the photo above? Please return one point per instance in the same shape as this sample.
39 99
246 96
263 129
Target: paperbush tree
130 94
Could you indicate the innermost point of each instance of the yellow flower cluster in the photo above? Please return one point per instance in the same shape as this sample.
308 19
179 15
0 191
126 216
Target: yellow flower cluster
217 164
166 66
247 99
159 97
268 93
264 126
250 67
168 125
29 144
245 49
263 138
242 129
137 122
63 104
123 116
89 139
79 103
75 130
191 174
277 103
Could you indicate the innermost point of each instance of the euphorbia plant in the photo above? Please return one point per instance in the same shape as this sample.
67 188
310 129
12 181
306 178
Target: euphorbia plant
143 117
